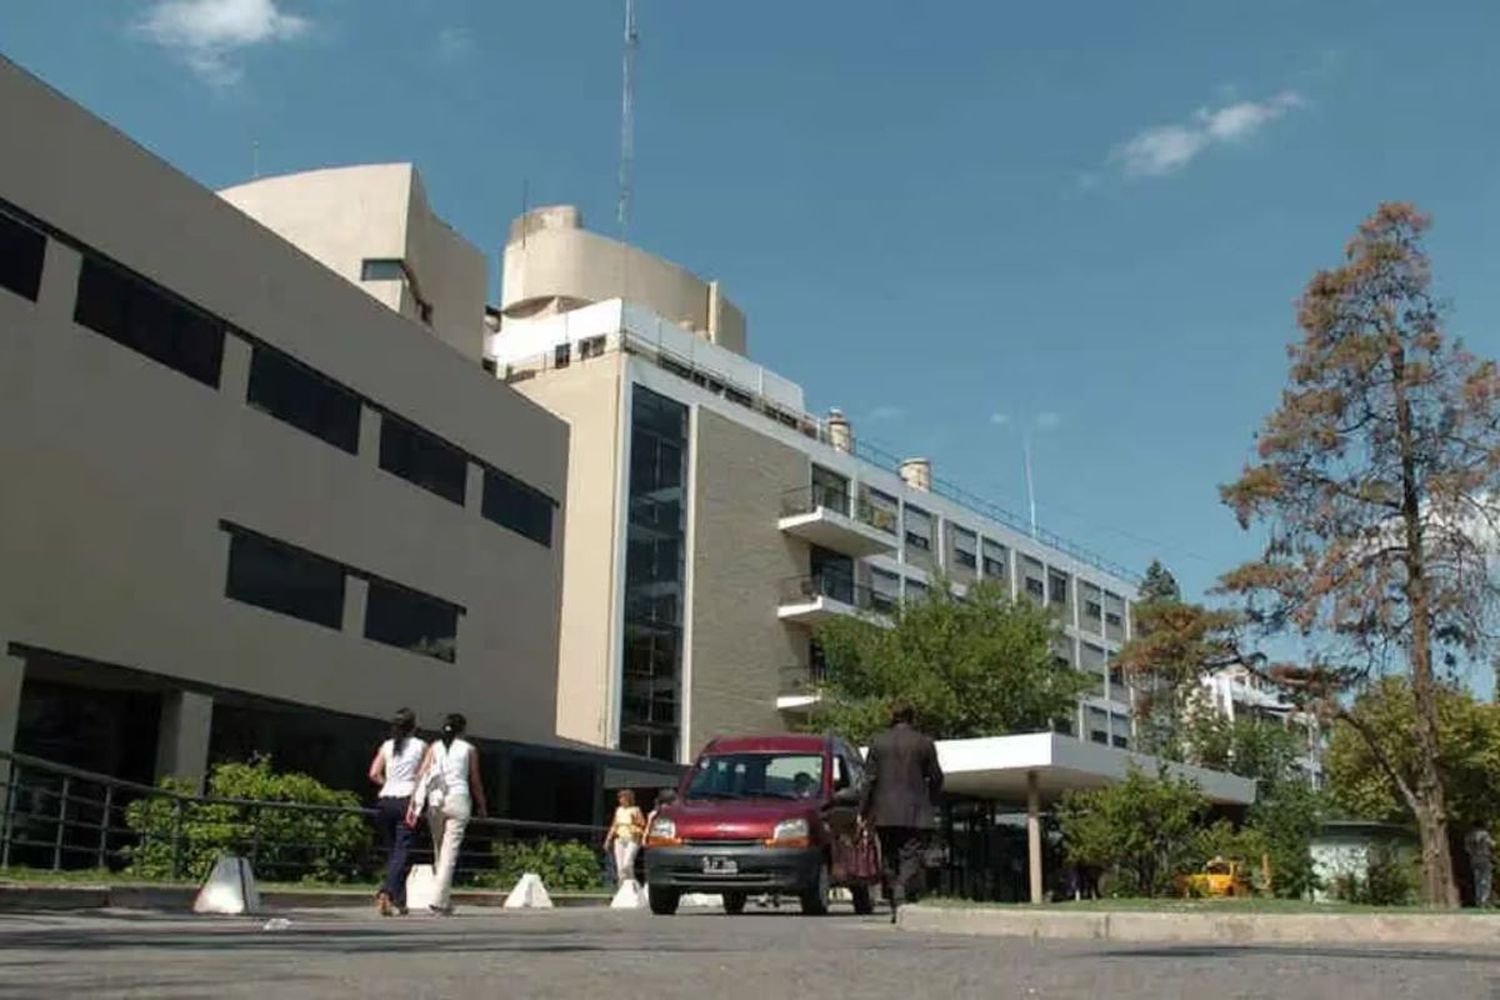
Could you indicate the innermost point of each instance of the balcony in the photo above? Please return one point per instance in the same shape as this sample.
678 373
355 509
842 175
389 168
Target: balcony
799 688
837 521
809 600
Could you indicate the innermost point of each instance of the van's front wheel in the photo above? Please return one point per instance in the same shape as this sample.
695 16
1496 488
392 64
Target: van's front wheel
663 900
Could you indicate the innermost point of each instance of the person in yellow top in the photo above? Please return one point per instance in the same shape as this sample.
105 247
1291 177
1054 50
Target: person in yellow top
626 831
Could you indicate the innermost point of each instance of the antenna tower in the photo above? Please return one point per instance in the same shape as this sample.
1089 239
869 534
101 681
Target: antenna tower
627 118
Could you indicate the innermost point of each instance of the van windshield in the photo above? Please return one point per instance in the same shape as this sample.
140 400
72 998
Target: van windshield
757 775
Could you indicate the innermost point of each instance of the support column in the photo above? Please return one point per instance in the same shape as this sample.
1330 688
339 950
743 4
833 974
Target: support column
182 743
356 597
12 673
1034 836
369 435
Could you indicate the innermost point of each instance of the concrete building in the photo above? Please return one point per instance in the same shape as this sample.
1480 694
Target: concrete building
1237 693
713 521
247 508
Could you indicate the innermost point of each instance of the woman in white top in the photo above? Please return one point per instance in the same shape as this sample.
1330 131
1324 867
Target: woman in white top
448 785
394 769
626 831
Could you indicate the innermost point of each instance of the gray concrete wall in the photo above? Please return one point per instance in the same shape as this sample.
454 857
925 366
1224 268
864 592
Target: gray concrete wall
119 470
740 557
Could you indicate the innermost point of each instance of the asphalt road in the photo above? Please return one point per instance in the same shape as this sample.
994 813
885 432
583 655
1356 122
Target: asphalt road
602 955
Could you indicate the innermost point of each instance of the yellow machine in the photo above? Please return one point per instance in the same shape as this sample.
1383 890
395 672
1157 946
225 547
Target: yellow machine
1219 879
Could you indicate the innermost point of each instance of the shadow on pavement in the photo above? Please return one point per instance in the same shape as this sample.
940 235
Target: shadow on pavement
1362 953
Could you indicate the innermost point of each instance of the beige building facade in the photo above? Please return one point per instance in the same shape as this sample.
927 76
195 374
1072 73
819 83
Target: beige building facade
248 508
725 522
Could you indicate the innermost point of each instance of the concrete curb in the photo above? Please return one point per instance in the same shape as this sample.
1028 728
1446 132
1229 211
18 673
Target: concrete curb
1208 928
24 898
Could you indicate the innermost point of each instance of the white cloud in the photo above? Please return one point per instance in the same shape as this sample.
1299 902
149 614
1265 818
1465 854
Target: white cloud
999 419
206 33
1165 149
887 412
454 44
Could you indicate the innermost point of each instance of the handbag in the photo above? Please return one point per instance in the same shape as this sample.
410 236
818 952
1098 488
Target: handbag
864 859
435 786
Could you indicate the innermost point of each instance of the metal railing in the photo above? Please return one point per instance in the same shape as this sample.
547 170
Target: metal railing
812 427
807 499
801 678
55 817
834 586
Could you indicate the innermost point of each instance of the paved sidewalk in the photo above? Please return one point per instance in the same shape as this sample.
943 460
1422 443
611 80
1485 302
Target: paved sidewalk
32 897
598 952
1220 925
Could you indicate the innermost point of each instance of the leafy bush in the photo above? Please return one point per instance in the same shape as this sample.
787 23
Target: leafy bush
1389 880
282 843
1141 833
564 865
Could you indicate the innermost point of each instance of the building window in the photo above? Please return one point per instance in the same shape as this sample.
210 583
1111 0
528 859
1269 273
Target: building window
282 578
23 251
512 504
1092 610
1113 620
135 313
885 591
1057 588
562 355
1123 742
830 490
1034 588
965 548
885 510
383 269
304 398
996 561
916 591
591 347
423 459
918 529
412 621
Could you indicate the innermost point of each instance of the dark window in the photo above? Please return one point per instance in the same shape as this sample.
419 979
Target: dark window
1034 587
279 577
412 621
562 355
488 364
305 399
1092 610
22 251
591 347
1099 736
133 312
965 558
423 459
512 504
373 269
1064 726
1111 618
1057 586
1122 742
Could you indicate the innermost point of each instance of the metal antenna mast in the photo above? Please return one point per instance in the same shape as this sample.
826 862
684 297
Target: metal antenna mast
627 118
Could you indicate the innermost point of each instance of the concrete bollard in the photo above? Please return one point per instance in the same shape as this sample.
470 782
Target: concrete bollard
529 894
229 889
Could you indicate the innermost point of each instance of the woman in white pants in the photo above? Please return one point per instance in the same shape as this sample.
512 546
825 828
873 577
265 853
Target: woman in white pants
450 787
625 834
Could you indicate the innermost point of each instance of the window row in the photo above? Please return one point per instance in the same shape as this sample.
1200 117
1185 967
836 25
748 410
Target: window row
141 315
292 581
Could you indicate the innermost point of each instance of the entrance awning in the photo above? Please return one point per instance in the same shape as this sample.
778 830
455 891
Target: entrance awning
997 768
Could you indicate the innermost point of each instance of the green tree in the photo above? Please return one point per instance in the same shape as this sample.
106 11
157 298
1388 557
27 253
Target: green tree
1174 646
977 666
1142 832
1469 754
1373 478
1158 585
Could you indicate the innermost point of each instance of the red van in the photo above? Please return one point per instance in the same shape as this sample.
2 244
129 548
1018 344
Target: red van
761 814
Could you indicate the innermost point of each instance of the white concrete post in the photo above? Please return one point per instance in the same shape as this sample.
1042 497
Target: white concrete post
182 742
1034 835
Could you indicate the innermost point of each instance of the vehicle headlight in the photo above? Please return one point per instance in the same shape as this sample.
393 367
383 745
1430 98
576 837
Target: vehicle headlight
662 828
790 830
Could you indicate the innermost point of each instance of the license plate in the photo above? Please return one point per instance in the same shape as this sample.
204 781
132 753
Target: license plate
720 866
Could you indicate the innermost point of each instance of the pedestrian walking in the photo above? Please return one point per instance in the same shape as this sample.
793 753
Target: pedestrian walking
1481 847
626 831
902 784
450 789
394 769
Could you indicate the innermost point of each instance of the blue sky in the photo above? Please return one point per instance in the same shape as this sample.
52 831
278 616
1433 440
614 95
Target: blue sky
956 221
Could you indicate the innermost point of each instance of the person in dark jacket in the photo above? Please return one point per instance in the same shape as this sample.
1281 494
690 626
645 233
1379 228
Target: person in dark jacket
902 784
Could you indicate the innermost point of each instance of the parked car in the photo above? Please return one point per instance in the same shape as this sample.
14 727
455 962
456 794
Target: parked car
764 814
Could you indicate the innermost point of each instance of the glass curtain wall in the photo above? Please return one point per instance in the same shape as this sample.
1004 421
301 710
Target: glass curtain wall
656 542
